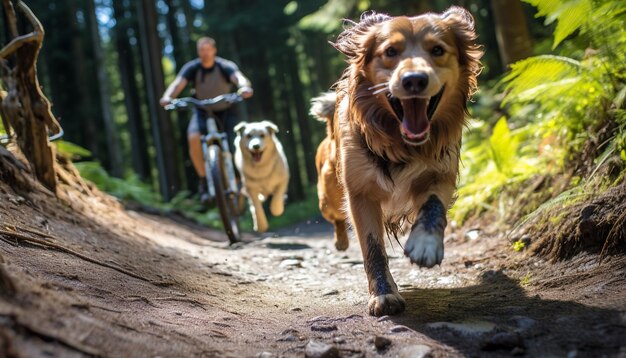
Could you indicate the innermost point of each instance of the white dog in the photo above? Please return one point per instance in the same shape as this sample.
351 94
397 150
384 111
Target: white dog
260 159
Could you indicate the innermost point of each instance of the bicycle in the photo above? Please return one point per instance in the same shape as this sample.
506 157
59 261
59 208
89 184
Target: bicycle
218 163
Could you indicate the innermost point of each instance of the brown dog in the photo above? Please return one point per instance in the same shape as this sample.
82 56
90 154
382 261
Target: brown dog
329 191
394 136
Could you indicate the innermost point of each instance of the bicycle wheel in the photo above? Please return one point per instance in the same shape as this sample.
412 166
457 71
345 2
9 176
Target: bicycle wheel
226 202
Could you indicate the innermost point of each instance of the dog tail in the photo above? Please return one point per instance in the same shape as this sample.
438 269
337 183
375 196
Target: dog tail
323 106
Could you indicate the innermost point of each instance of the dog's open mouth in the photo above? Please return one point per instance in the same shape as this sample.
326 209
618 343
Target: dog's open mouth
256 156
415 114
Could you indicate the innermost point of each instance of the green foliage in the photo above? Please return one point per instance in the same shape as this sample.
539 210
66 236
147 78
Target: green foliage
569 14
326 19
554 104
492 165
133 190
71 150
518 246
130 189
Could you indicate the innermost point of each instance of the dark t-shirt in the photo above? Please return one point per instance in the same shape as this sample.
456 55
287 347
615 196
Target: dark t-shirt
210 82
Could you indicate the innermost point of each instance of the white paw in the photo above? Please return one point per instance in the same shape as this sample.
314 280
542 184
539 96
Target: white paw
424 249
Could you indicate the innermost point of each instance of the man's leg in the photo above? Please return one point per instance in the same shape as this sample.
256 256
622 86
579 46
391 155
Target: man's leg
195 152
197 158
230 120
195 146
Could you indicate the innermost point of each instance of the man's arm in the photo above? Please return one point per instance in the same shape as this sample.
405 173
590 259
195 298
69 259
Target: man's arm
173 90
243 84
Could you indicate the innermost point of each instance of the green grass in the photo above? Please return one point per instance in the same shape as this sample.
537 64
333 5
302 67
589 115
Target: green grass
133 190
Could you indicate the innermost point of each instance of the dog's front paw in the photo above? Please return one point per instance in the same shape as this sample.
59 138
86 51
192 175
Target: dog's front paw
423 248
389 304
277 206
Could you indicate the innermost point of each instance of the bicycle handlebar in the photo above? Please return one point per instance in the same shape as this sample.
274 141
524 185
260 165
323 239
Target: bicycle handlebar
185 101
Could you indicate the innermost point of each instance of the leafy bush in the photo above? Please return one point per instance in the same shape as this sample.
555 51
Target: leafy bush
556 105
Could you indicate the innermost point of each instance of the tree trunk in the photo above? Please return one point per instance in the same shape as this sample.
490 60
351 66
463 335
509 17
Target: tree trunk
116 163
511 31
162 128
25 107
285 122
190 15
181 119
302 116
138 144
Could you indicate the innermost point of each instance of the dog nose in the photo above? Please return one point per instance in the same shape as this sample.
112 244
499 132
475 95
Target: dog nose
414 82
256 146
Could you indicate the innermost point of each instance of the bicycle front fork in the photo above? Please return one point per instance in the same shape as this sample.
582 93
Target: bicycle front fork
229 167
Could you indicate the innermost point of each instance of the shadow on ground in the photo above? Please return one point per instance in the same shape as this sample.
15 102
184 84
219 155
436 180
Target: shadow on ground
497 318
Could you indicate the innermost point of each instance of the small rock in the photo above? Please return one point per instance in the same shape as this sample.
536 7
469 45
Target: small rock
296 309
399 328
320 327
466 328
381 342
330 293
517 351
287 338
415 351
472 234
383 318
502 340
266 355
339 340
525 240
320 350
523 323
289 335
290 263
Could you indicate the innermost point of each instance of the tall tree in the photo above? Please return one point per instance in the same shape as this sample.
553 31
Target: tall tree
140 158
181 56
511 31
162 128
296 189
110 128
301 114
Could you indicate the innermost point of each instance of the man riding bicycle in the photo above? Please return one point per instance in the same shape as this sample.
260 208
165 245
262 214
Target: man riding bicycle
211 76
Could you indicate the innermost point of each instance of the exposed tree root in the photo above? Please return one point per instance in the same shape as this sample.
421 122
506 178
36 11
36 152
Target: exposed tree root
17 236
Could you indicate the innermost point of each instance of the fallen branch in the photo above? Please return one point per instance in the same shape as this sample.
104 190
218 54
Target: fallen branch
51 245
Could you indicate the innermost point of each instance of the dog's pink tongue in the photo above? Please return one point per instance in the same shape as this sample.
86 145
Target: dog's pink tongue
415 123
256 156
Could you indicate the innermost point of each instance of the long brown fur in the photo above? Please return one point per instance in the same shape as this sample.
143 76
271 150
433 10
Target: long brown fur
383 180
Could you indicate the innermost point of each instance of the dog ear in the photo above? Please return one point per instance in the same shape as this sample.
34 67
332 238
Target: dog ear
270 126
356 41
240 127
461 23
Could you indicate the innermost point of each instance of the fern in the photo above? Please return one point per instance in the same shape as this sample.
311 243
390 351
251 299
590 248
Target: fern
554 105
533 76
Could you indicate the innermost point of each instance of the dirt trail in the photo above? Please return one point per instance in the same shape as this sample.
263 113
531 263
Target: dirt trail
160 287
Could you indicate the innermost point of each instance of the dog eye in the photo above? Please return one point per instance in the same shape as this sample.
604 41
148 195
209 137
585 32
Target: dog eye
437 51
391 52
262 136
249 136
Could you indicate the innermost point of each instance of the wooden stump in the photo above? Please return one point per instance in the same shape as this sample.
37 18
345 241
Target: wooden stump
23 107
